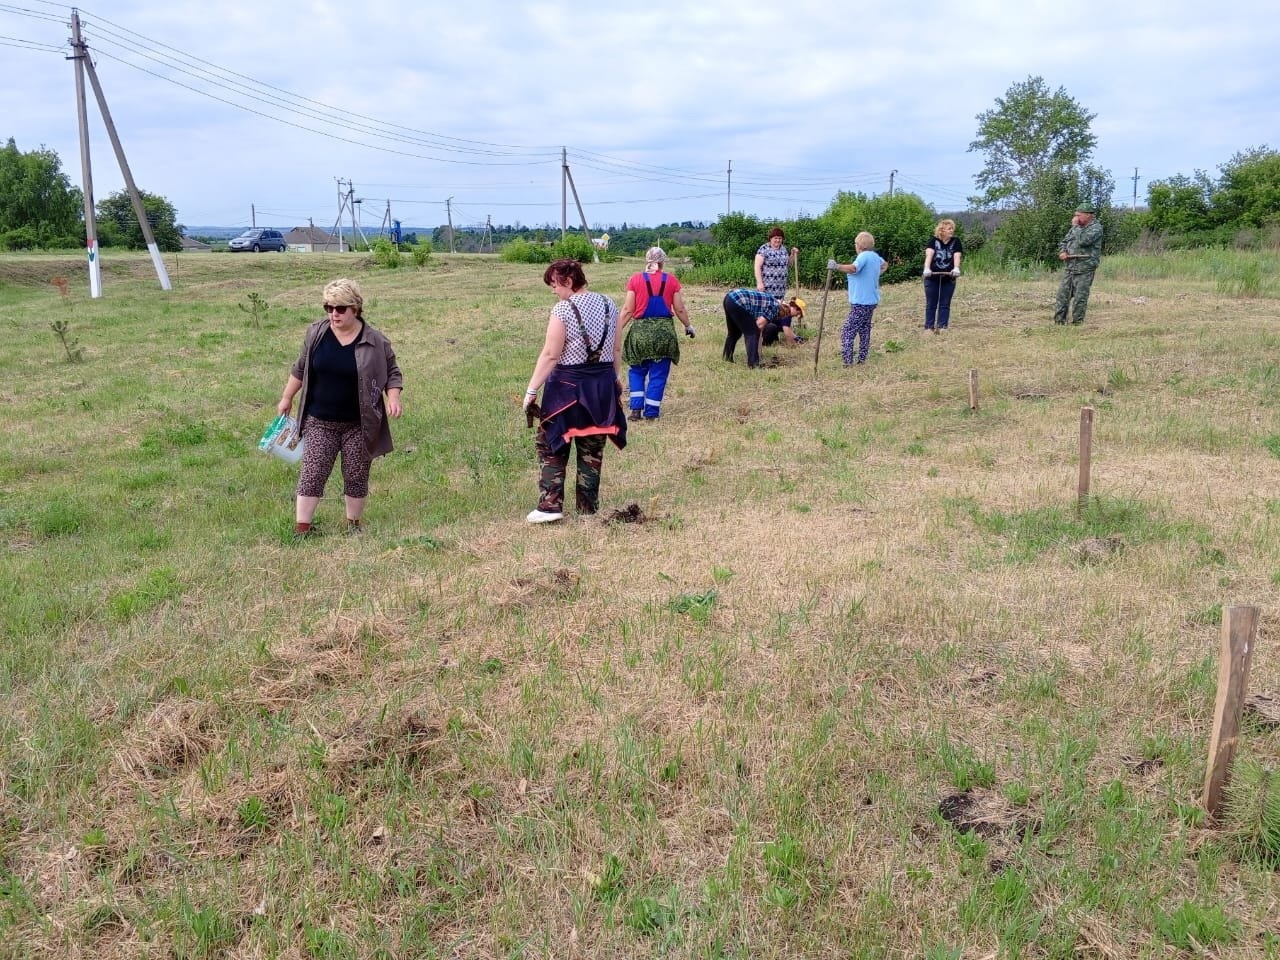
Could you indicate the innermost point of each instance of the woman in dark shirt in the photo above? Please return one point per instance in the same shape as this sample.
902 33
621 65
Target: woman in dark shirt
941 268
343 371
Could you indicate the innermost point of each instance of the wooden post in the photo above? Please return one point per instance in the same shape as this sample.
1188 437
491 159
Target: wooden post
973 389
1239 633
1086 455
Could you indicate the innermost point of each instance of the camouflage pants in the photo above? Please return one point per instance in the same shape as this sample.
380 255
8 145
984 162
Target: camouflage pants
1073 292
555 466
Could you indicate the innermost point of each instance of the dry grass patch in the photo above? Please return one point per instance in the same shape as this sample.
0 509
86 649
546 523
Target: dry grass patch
716 719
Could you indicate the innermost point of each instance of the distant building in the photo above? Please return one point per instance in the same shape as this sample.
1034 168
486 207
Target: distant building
193 246
311 239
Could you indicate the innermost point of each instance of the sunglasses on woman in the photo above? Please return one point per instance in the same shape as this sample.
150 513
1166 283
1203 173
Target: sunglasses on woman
336 308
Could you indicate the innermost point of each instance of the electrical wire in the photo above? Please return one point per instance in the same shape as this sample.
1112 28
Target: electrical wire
269 101
21 44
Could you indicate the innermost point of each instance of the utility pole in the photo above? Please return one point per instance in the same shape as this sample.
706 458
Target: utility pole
351 202
138 208
337 224
586 231
1135 188
253 215
892 174
448 208
488 231
728 190
564 192
134 196
86 170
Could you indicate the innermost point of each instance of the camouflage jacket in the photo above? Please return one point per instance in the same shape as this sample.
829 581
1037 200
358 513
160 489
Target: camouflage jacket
1084 245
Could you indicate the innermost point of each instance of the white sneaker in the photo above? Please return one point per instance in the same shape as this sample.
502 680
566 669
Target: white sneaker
541 516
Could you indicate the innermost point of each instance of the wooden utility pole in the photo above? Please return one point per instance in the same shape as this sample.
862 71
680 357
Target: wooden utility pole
728 190
892 174
80 55
1239 633
134 196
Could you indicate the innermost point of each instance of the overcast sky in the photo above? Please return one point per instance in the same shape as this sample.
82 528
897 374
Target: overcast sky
223 107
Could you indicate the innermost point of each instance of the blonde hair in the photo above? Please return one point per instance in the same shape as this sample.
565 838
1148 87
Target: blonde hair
864 241
948 222
345 293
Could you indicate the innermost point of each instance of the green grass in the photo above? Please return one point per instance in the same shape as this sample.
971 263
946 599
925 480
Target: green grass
737 729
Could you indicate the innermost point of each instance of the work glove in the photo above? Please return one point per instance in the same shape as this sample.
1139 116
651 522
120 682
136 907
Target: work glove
832 265
530 398
927 273
955 272
688 331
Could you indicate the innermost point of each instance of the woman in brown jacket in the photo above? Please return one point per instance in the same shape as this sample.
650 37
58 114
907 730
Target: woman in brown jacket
343 371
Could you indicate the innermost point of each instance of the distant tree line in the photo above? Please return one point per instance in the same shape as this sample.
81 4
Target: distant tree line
624 240
40 209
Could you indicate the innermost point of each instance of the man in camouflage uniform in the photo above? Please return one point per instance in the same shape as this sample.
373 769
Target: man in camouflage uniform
1080 252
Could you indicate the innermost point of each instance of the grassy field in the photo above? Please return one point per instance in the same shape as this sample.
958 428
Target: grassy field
860 683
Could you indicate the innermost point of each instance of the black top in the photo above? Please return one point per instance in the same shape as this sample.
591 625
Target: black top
944 253
334 390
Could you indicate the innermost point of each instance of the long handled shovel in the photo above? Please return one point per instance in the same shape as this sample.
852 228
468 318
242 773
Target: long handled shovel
822 317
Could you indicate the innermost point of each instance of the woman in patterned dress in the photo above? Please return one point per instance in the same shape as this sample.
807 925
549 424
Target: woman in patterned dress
773 262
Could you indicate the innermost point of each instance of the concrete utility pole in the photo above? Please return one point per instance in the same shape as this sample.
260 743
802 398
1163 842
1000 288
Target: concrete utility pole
892 174
253 215
586 232
351 202
564 192
448 210
138 208
728 190
337 225
86 169
1135 188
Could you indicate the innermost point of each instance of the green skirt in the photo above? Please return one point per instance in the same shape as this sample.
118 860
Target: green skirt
650 338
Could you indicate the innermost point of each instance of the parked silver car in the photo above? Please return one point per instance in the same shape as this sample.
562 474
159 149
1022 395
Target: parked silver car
258 240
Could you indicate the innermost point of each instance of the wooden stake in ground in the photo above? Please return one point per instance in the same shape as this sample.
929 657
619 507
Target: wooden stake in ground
973 389
817 349
1239 633
1086 454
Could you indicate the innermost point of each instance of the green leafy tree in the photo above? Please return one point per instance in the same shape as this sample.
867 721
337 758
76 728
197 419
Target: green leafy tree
118 224
1179 204
1029 133
37 202
1030 234
1248 193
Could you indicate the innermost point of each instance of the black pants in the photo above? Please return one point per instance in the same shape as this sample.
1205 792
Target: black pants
740 324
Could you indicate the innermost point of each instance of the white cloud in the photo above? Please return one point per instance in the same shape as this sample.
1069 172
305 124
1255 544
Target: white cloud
802 97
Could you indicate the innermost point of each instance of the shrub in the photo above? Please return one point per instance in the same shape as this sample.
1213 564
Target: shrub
421 253
386 254
23 238
573 247
522 251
